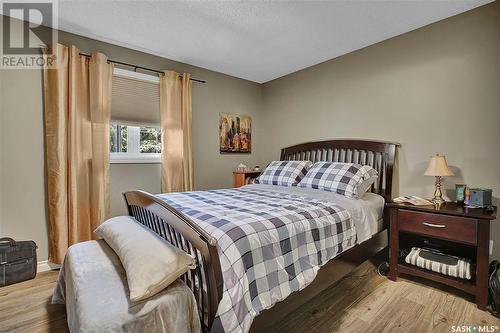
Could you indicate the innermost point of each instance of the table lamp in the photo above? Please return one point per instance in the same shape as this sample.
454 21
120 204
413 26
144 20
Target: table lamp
439 169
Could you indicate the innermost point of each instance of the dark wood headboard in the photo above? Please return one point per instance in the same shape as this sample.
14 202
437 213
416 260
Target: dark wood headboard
380 155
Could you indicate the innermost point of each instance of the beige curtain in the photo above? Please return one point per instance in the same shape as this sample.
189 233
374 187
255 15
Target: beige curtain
77 98
176 118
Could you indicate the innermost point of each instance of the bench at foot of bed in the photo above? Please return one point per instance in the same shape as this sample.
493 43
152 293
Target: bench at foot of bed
92 283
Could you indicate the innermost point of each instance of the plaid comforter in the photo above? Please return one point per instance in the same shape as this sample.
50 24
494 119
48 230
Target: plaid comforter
270 244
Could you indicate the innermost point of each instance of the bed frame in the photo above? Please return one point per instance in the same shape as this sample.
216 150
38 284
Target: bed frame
206 280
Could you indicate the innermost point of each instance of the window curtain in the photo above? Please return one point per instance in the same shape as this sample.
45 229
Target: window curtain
77 103
175 120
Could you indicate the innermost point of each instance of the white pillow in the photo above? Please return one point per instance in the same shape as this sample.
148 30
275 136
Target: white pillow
365 186
151 263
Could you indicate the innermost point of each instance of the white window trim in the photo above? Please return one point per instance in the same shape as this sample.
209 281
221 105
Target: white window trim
133 156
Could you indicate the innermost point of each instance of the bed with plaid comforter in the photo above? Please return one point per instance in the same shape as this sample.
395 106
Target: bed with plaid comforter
270 243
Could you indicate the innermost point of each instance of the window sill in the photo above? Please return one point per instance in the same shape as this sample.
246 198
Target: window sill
135 159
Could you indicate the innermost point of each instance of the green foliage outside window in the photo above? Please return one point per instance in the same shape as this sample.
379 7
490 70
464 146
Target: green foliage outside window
150 140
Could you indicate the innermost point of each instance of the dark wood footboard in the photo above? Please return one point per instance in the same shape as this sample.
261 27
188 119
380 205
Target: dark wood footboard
206 280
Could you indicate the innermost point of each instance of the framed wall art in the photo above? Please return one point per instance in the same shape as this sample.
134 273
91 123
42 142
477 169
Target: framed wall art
235 133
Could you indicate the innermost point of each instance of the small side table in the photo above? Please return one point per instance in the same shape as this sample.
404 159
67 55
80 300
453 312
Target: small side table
467 229
241 176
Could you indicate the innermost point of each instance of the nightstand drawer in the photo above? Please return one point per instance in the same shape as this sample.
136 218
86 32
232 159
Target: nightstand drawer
438 225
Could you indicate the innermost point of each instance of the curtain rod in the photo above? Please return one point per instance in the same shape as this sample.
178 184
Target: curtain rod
136 67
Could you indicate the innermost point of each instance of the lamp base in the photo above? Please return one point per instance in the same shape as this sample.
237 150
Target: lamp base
438 202
438 195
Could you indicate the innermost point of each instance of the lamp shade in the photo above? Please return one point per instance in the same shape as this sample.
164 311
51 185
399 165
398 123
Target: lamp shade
438 167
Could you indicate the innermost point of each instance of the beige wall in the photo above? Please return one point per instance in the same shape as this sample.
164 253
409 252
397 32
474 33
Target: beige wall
22 193
22 185
434 90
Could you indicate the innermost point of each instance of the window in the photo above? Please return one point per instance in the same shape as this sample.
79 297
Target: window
135 135
134 143
118 138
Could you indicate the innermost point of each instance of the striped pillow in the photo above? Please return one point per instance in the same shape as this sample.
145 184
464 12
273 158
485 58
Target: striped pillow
284 173
349 179
457 267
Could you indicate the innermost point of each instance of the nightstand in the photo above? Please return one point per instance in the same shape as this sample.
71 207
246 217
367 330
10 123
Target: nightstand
456 230
240 177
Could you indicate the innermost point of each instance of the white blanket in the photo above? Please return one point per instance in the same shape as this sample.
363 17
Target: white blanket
92 283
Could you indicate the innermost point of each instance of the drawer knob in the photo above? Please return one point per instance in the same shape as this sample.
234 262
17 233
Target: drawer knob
432 225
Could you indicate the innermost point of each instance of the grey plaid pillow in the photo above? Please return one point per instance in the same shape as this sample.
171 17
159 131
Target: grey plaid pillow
284 173
349 179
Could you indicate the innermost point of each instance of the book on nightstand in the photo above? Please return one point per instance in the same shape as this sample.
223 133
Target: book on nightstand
413 199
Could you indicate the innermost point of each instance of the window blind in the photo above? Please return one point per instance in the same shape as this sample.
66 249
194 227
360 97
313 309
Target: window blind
135 100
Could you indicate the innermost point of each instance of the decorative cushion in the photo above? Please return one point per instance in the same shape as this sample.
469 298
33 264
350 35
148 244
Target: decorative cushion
151 263
349 179
284 173
366 184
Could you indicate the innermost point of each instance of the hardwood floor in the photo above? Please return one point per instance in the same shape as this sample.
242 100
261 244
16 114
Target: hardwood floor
25 307
362 302
365 301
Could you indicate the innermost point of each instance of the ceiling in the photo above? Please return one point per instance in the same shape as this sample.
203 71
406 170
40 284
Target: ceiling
254 40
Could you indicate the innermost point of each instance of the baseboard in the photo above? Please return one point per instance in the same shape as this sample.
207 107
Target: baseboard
43 266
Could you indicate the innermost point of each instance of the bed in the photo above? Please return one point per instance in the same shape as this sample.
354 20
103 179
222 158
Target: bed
226 230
